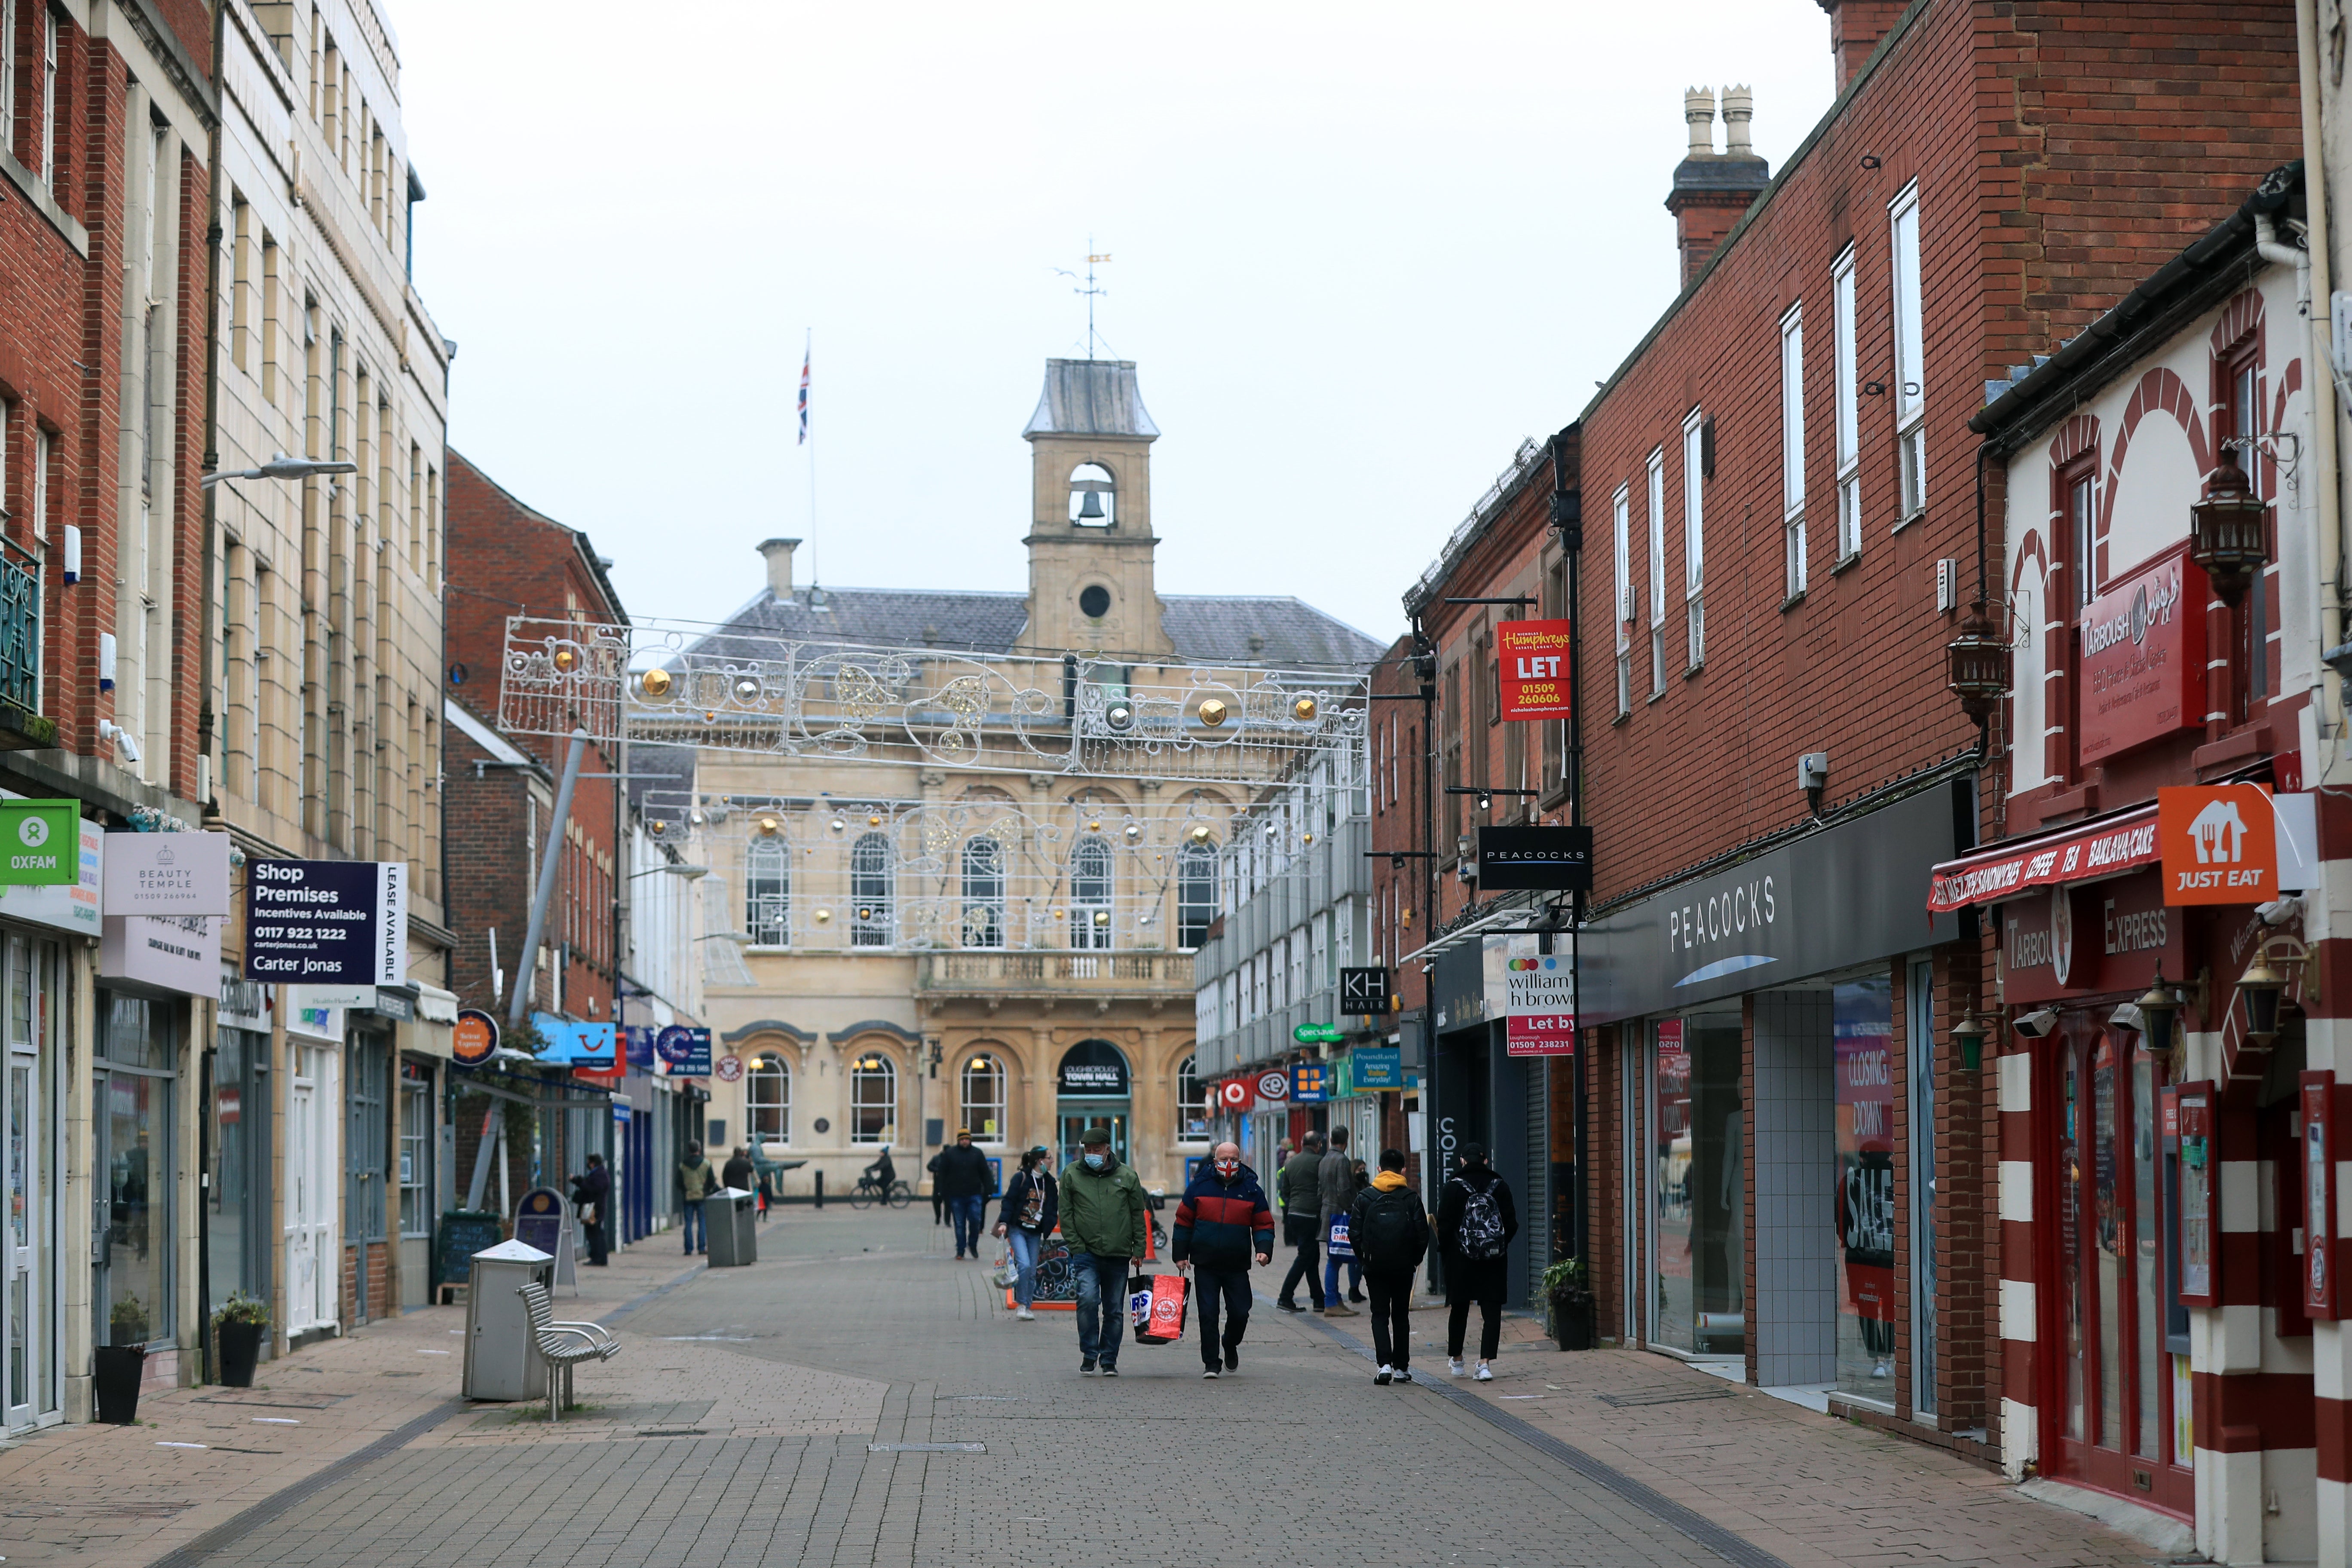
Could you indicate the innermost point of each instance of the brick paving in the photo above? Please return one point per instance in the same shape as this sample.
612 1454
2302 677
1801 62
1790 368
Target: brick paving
736 1428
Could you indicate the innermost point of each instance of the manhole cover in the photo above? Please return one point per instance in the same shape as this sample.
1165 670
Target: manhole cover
275 1400
927 1448
1664 1396
678 1432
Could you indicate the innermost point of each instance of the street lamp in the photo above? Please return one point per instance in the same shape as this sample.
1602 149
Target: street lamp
282 467
1968 1036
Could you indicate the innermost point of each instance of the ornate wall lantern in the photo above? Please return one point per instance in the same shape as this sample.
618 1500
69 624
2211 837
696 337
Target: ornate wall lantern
2226 533
1979 665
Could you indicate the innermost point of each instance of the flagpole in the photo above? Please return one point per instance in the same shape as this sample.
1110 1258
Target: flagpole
808 343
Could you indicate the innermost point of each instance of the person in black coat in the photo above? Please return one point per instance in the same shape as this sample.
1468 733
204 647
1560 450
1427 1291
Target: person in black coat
1476 1222
591 1196
1032 1207
963 1176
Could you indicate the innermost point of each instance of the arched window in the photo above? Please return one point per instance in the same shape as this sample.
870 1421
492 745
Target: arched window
768 1101
1094 497
1192 1102
982 1101
869 891
1090 889
874 1099
983 893
1196 894
768 892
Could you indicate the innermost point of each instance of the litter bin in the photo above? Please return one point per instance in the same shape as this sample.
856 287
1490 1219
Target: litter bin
730 1220
502 1359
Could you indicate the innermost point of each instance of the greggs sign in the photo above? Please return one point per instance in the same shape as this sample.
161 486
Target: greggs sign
2220 843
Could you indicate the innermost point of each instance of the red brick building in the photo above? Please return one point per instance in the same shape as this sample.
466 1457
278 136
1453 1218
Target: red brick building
1782 1165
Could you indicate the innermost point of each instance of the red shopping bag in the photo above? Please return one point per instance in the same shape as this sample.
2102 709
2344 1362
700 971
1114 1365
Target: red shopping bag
1156 1306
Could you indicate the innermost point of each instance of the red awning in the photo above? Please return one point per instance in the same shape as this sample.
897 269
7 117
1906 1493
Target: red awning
2085 852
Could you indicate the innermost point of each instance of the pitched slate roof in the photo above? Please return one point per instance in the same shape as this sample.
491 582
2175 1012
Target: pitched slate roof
1206 627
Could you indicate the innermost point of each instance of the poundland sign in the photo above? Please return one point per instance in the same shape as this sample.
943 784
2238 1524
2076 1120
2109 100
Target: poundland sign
327 922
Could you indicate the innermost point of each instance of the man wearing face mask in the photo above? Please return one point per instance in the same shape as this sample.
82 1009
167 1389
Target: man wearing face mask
1223 1219
1103 1221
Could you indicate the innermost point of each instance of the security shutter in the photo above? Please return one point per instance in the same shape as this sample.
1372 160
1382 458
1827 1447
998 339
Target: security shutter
1535 1218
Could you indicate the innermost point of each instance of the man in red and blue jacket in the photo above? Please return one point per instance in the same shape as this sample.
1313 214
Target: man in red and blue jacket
1223 1221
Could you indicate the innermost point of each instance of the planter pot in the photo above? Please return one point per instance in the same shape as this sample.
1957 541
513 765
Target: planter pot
1571 1324
240 1349
119 1370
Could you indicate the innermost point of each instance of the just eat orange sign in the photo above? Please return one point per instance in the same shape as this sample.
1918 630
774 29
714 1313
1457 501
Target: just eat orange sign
1531 659
2220 844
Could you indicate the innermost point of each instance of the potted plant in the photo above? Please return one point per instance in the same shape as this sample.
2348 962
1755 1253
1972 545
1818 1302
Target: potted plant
120 1364
237 1330
1567 1293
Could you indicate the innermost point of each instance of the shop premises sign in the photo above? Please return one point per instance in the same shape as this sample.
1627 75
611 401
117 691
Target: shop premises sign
326 921
1848 894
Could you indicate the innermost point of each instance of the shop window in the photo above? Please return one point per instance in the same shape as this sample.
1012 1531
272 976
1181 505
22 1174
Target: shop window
1926 1300
874 1099
1697 1189
1192 1102
768 1101
1863 1065
416 1151
981 1098
983 893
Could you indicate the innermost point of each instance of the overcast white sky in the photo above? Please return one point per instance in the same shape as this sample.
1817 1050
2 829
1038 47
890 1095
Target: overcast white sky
1359 252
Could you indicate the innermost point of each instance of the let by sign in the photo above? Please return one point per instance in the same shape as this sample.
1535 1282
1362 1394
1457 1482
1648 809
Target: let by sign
1532 659
2220 844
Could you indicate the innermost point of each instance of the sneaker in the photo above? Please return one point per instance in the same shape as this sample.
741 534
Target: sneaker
1087 1367
1340 1309
1026 1315
1881 1370
1232 1358
1484 1375
1288 1307
1210 1371
1453 1365
1382 1376
1109 1370
1404 1374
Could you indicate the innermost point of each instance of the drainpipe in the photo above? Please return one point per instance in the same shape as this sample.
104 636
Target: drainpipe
205 631
2315 282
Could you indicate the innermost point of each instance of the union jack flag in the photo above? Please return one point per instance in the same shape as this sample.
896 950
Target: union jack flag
804 373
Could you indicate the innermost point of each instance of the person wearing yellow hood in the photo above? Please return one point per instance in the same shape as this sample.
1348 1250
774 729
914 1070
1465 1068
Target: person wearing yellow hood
1389 1230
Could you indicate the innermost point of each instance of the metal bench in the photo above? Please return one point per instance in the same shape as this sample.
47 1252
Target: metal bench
563 1345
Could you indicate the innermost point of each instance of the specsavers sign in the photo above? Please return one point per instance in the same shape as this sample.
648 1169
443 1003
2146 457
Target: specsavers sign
40 843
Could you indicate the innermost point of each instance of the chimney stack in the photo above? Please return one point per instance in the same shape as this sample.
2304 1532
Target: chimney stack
1712 191
1855 29
779 554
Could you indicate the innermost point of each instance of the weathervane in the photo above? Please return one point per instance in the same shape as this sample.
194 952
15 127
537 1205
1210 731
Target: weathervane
1089 289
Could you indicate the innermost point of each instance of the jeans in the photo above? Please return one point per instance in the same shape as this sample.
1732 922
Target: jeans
697 1238
1302 1267
1392 1297
966 1212
1028 1246
1102 1304
1331 1271
1214 1289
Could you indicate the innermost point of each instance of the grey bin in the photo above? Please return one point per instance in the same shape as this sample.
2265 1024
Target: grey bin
502 1359
730 1223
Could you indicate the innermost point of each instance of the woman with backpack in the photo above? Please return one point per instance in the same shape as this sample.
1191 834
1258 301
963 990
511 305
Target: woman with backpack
1389 1231
1476 1222
1032 1206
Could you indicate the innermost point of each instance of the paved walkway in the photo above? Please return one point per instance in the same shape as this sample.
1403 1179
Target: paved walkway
787 1414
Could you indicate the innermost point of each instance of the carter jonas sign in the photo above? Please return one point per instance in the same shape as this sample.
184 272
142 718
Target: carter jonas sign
328 922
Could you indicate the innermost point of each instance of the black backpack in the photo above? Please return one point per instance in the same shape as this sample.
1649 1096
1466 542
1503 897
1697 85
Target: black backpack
1393 1234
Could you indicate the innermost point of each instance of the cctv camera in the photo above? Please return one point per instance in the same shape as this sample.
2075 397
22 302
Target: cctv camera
2034 1025
2280 911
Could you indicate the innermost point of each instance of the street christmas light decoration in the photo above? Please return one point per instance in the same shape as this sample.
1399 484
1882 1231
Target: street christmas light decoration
1242 723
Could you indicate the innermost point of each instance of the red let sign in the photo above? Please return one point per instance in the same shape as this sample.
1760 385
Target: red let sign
2144 657
1532 657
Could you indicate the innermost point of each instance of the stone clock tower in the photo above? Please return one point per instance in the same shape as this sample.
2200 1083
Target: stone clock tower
1090 542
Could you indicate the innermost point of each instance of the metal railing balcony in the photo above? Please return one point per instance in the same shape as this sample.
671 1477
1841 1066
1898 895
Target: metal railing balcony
22 726
985 973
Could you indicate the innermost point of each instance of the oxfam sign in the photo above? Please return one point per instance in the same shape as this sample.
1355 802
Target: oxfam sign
40 843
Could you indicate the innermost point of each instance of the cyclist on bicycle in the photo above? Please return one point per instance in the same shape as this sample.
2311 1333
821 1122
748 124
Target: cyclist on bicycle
882 1172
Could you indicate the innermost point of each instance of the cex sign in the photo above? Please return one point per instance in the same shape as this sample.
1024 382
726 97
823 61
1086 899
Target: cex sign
2220 844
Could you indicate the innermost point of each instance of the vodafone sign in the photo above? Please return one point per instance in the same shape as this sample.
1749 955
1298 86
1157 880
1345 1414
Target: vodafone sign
1234 1094
1273 1084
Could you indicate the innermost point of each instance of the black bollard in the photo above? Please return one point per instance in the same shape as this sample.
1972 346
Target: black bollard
820 1189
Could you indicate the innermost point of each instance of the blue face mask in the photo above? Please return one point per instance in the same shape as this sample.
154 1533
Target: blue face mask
1096 1162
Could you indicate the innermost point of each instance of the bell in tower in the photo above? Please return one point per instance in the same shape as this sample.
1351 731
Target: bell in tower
1090 542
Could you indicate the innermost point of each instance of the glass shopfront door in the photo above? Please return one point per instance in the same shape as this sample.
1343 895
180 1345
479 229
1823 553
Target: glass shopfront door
29 1121
2113 1412
1696 1188
134 1127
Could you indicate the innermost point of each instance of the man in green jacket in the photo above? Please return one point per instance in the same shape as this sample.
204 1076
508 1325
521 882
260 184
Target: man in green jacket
1102 1221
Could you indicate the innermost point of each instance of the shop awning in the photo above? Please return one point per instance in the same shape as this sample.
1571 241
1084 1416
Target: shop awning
2084 852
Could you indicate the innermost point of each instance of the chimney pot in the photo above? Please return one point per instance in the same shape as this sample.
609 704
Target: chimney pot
779 554
1738 108
1699 114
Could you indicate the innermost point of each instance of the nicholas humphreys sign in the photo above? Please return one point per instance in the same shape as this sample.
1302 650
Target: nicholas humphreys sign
1844 895
326 921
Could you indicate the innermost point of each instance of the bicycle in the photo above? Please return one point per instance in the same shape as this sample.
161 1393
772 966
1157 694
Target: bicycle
869 1190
